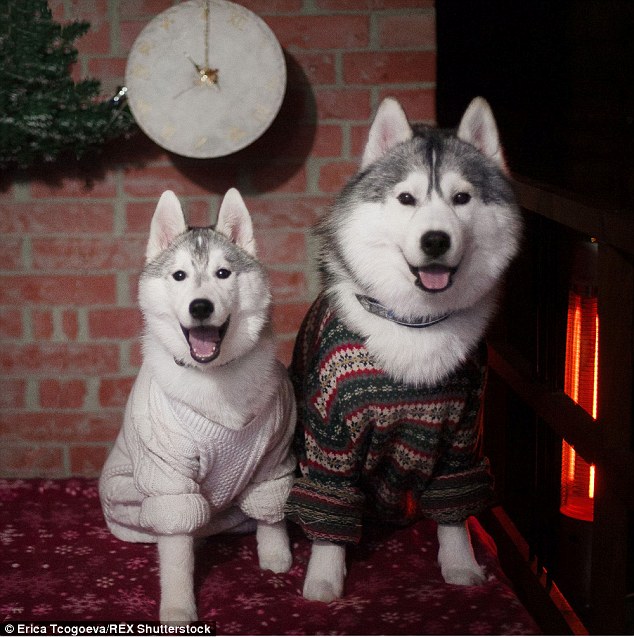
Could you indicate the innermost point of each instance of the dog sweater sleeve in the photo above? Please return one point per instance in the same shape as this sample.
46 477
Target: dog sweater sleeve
265 496
326 500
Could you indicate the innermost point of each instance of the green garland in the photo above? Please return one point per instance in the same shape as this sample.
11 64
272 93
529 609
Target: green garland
43 112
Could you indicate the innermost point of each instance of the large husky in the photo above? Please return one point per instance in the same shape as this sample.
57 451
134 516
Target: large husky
389 365
204 447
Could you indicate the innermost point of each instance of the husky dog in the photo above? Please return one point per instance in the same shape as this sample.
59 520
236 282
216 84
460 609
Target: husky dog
205 443
389 365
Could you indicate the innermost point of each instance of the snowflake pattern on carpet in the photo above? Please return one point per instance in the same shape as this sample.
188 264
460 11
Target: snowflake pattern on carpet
58 561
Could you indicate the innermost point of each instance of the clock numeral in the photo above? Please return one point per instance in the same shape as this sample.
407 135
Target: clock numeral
145 47
166 23
261 113
237 19
140 72
236 134
200 142
167 132
141 106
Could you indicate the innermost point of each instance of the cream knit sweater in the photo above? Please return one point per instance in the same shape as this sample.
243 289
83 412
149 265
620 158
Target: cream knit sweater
174 471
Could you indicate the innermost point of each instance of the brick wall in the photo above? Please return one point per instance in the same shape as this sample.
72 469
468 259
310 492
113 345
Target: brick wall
73 235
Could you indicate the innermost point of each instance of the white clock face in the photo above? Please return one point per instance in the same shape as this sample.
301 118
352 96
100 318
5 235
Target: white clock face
205 99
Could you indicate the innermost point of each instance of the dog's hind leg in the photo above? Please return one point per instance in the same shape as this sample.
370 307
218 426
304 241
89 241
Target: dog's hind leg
176 565
274 551
455 556
326 572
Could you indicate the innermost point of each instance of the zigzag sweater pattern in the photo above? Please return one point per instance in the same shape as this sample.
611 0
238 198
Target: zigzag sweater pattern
369 445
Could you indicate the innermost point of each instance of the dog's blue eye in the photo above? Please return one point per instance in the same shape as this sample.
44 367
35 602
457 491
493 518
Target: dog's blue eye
179 275
461 198
407 199
223 273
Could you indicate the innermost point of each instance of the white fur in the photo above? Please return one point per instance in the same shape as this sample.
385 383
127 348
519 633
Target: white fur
229 389
378 242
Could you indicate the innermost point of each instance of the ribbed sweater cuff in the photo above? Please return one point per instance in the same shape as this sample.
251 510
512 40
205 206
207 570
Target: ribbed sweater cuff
174 514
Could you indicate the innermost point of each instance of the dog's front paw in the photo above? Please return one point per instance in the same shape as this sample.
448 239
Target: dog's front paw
179 616
274 553
321 590
279 561
464 576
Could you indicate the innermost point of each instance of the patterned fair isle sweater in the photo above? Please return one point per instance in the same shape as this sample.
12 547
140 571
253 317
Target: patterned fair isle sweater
369 445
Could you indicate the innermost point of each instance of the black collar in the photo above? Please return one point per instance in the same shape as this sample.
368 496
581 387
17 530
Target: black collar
374 307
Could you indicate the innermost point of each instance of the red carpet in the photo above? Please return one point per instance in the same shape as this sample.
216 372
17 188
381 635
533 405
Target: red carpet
58 561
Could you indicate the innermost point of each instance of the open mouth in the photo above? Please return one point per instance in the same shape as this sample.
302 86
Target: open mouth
434 278
205 341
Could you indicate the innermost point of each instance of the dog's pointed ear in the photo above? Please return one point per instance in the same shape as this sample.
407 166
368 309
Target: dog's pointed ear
478 128
390 127
234 221
167 223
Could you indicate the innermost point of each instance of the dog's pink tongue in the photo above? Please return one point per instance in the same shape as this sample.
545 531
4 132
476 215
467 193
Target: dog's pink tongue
434 279
204 342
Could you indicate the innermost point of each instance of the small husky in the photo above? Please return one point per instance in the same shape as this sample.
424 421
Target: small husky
389 365
205 443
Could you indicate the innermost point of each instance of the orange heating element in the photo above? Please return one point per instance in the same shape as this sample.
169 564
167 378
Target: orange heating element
581 384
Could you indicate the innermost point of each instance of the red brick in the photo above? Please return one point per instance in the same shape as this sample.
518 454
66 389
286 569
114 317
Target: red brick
136 355
389 67
145 9
74 187
285 345
419 104
31 461
197 213
105 69
287 286
334 176
68 394
57 289
114 323
81 254
70 324
12 393
194 179
90 10
59 358
60 427
128 33
87 460
287 317
321 31
10 323
43 325
343 103
96 41
139 216
280 178
45 217
11 253
350 5
318 68
113 392
277 212
282 247
358 140
408 31
262 7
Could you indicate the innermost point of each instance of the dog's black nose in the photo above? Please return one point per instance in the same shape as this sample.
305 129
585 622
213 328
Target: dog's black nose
201 308
435 243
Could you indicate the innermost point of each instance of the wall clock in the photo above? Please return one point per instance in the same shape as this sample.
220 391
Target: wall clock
205 78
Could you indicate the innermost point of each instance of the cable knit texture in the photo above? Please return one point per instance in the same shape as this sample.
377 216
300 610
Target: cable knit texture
172 470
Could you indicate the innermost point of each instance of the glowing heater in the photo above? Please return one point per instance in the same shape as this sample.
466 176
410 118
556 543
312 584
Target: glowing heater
581 384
